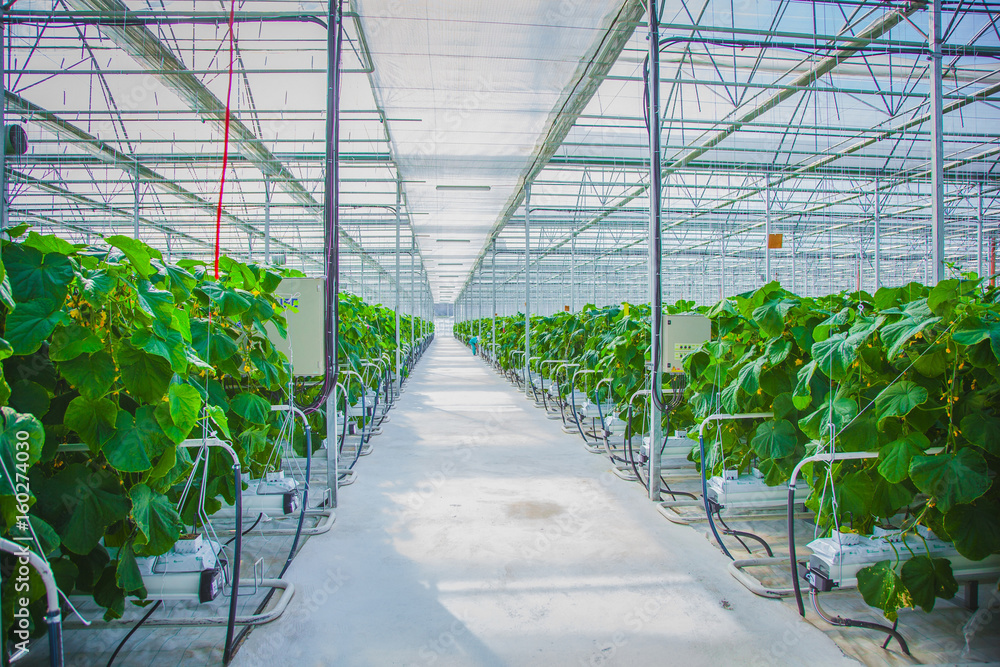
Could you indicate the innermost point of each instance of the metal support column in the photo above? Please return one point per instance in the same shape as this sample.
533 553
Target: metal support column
979 233
135 208
767 229
3 120
527 288
572 273
655 257
267 221
937 148
877 251
493 315
399 365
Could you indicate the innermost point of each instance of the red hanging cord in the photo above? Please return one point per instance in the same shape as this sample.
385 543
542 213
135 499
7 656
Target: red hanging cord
225 144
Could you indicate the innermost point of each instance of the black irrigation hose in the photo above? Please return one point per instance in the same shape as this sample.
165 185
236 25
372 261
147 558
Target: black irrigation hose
305 497
247 531
791 551
740 533
704 497
854 623
131 632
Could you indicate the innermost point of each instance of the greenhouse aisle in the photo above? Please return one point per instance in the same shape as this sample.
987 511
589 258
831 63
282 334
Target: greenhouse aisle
478 533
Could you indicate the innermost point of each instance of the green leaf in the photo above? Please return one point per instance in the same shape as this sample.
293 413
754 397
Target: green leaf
30 397
96 286
221 347
771 316
898 399
185 404
897 334
93 420
230 302
894 458
749 376
146 376
108 594
90 374
839 412
72 340
802 394
138 253
774 439
835 355
156 303
181 282
34 276
95 500
127 571
928 578
777 351
888 499
48 243
13 424
158 522
975 529
952 479
218 417
31 323
165 343
250 407
854 493
983 430
882 588
180 322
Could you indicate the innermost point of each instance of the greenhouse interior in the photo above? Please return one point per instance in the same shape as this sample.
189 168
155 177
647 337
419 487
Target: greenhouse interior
653 332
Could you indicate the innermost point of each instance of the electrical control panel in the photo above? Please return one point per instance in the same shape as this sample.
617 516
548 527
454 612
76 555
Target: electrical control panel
191 570
681 335
305 303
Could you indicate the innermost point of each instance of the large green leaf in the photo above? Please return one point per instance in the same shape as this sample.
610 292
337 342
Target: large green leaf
165 343
894 458
138 253
251 407
31 323
802 394
229 302
90 374
854 493
49 243
897 334
136 441
97 286
93 420
34 276
70 341
839 412
951 479
928 578
30 397
975 529
215 348
898 399
16 450
771 316
882 588
146 376
184 403
95 500
127 571
983 430
158 522
156 303
835 355
774 439
973 330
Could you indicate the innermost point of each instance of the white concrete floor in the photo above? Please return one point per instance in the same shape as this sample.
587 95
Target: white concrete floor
478 533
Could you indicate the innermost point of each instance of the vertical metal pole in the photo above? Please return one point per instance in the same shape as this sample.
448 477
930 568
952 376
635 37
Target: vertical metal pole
767 229
572 274
722 263
399 364
332 446
877 259
413 305
267 221
979 233
135 210
937 148
655 287
795 264
493 313
527 288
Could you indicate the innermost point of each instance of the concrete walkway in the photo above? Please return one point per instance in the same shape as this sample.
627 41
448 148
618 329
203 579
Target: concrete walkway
478 533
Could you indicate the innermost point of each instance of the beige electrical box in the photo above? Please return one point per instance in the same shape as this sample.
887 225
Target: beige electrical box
305 345
681 335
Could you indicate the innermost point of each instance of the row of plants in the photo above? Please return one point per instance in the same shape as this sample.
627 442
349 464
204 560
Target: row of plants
912 373
112 346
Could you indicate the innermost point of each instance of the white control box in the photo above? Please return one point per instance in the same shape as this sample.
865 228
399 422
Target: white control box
305 345
680 335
